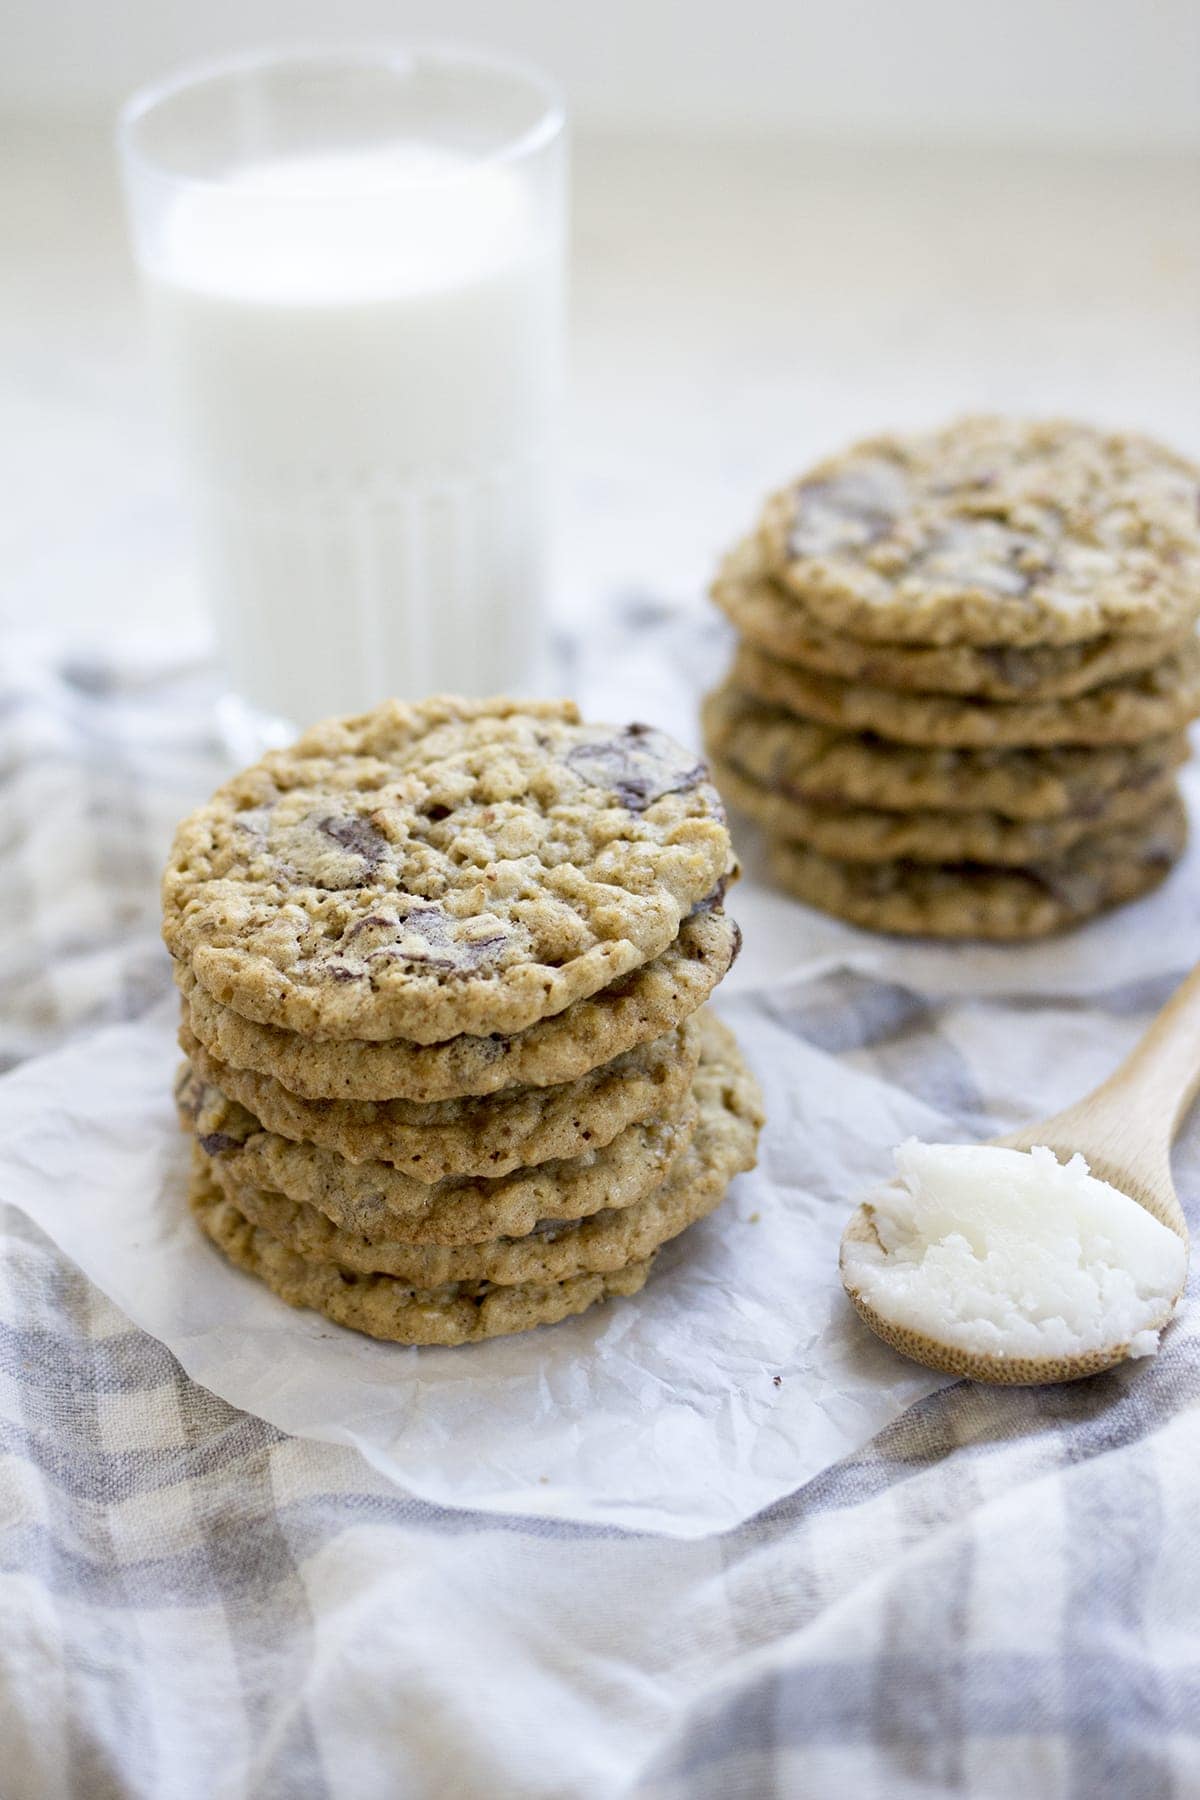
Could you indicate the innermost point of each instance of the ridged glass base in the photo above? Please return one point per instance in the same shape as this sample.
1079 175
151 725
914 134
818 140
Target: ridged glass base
330 602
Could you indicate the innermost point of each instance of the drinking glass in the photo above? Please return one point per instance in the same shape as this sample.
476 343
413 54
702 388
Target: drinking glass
353 263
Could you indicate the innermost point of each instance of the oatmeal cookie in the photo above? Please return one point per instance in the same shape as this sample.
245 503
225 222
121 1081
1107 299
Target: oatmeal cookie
1159 701
827 767
971 900
557 1248
864 834
433 1140
992 531
642 1005
450 867
777 621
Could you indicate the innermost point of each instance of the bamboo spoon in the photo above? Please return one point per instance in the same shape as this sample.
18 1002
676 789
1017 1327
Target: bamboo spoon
1124 1129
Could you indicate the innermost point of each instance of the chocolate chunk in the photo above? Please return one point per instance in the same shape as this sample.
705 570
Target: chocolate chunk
711 902
426 936
213 1142
450 947
356 834
478 950
327 850
549 1229
372 921
847 512
983 553
431 922
637 766
189 1093
432 928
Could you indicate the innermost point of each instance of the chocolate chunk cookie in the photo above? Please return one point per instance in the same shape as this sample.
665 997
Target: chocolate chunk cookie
993 531
777 621
1159 701
866 834
517 1127
823 766
972 900
641 1005
414 1309
727 1114
385 1203
380 1305
451 867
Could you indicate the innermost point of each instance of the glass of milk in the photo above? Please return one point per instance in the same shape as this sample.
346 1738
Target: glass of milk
354 269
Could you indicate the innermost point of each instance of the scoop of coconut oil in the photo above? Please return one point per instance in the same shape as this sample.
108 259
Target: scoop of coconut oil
1010 1253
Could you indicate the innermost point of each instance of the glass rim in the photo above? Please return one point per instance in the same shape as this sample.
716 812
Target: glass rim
152 95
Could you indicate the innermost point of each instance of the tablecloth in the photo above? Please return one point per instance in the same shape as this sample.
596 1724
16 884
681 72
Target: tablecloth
999 1595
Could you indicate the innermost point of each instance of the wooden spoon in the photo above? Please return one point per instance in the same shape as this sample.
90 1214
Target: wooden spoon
1124 1129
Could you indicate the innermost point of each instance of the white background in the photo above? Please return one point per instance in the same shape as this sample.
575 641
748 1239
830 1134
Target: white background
793 223
1095 72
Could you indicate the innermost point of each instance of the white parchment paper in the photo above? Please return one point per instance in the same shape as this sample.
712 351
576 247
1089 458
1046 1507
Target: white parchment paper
665 1413
740 1372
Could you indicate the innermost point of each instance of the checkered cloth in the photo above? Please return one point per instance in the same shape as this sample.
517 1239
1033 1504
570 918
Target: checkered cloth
999 1596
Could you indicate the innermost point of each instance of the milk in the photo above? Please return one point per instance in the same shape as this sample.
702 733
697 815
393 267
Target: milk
363 351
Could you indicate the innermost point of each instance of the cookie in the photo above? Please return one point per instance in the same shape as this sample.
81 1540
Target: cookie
433 1140
382 1202
777 621
992 531
381 1306
450 867
863 834
970 900
642 1005
730 1115
1159 701
826 767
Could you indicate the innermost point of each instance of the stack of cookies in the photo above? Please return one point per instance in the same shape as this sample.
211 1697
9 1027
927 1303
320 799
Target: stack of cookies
966 668
443 968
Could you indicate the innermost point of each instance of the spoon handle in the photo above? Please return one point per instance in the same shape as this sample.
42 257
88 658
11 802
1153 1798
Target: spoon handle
1161 1075
1126 1126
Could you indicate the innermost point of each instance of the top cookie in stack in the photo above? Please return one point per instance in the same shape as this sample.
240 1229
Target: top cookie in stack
967 665
442 968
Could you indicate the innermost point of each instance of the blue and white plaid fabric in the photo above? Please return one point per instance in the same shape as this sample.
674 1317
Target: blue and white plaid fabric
999 1596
